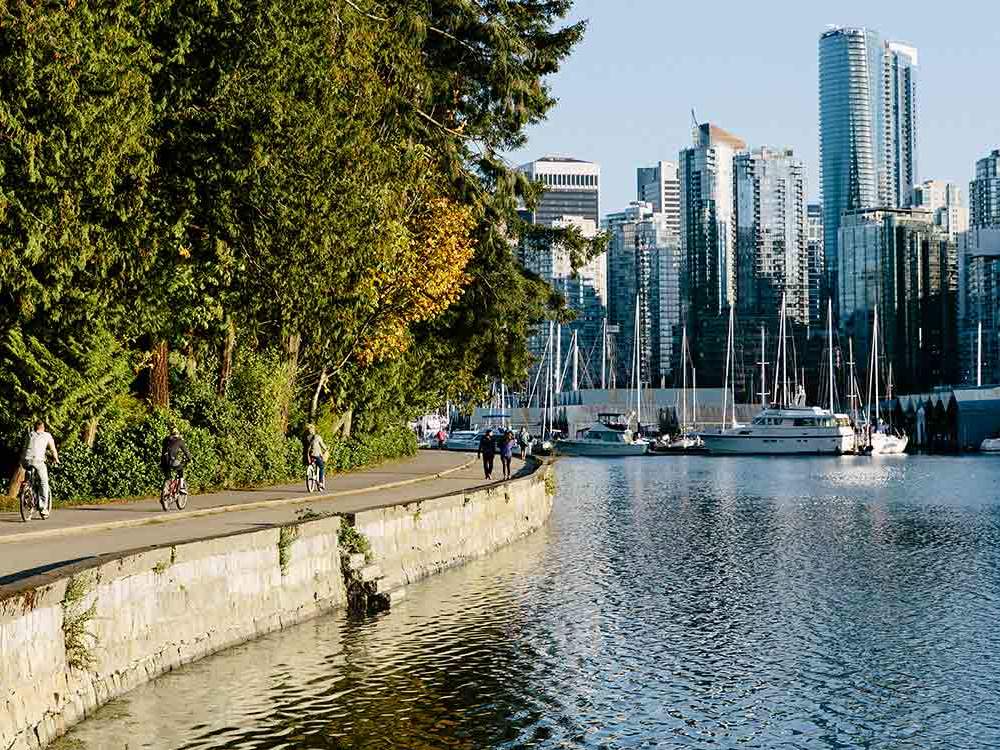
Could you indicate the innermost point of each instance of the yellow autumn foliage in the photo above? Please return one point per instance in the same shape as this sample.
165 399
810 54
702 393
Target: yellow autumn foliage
425 276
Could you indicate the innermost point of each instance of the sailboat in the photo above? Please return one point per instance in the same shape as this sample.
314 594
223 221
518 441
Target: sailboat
687 439
605 439
882 440
783 428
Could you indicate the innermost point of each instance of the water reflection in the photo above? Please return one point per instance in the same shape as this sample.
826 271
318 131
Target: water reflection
676 602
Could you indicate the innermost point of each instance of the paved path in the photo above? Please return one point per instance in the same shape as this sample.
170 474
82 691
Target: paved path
72 535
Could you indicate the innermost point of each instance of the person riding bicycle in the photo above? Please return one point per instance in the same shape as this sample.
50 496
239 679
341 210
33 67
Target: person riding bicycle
39 445
316 452
174 456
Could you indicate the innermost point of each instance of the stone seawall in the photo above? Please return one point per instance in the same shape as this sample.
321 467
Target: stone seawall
70 644
419 539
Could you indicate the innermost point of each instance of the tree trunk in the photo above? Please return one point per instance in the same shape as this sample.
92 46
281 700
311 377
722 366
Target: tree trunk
15 482
159 377
314 407
292 345
226 363
90 432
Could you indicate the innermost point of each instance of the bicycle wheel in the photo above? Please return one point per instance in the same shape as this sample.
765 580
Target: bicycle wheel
181 496
165 496
312 478
27 503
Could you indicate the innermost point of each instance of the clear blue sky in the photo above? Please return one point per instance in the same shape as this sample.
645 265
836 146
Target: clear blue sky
626 93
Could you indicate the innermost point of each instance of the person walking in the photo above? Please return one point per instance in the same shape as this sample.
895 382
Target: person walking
507 443
37 449
524 442
487 450
442 438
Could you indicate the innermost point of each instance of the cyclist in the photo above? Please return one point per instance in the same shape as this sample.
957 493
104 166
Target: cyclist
174 456
316 451
39 445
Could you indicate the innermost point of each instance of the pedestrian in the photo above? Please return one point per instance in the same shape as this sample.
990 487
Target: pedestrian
507 443
487 450
524 442
442 437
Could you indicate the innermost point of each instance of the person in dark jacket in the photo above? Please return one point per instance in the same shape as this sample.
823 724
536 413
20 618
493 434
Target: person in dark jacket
487 450
174 455
507 444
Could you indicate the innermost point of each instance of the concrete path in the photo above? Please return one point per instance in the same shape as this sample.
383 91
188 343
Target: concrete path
82 533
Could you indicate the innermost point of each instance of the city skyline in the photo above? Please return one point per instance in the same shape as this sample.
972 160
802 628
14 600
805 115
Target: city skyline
633 127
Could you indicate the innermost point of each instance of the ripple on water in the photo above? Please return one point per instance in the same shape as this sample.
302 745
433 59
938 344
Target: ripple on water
670 603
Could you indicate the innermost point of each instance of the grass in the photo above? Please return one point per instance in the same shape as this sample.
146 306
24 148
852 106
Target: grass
286 538
352 541
77 638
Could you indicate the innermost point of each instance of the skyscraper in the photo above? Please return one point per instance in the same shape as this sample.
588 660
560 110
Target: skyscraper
644 268
659 186
572 188
944 201
814 249
770 219
708 236
868 128
900 122
979 276
571 199
984 192
897 259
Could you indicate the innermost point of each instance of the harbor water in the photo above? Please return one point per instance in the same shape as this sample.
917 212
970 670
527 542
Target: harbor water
671 602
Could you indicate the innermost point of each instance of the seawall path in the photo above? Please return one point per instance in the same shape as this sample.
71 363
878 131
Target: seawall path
82 534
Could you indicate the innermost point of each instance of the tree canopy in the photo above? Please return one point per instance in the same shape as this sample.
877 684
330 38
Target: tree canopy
183 181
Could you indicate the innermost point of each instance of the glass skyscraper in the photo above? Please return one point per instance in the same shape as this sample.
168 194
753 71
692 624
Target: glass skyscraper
772 258
868 129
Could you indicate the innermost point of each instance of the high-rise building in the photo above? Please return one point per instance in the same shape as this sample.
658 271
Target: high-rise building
868 128
984 192
571 198
643 268
944 201
771 257
900 261
900 122
814 251
659 186
708 240
572 188
979 276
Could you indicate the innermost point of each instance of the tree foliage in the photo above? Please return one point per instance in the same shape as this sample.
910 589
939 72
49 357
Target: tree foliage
322 180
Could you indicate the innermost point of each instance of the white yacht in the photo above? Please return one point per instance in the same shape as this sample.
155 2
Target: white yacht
464 440
990 445
601 440
786 430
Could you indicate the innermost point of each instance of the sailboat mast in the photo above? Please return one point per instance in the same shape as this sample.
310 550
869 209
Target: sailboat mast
829 340
694 394
979 355
763 369
576 359
604 354
684 378
638 370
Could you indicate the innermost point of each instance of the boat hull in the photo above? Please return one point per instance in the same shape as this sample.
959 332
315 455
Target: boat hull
888 445
596 449
767 445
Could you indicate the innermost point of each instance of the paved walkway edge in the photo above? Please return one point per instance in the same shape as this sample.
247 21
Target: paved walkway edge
256 505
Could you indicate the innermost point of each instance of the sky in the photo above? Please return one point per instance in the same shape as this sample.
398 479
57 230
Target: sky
626 92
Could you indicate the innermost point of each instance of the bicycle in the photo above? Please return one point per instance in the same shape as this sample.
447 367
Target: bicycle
29 495
312 475
174 492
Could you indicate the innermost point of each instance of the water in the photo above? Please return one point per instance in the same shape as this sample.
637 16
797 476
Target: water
678 602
